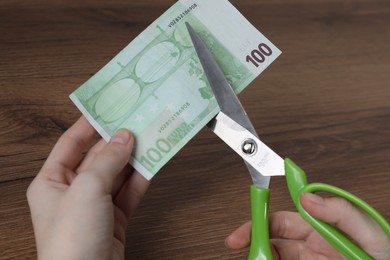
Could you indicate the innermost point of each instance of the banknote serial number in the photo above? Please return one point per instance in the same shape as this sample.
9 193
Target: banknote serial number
174 116
259 55
164 146
182 15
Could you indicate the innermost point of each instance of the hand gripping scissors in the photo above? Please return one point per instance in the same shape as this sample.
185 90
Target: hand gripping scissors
234 127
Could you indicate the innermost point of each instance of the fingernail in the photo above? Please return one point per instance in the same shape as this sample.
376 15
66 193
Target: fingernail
313 198
227 242
122 136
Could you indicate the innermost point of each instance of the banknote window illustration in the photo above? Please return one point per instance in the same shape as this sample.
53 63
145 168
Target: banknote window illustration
116 100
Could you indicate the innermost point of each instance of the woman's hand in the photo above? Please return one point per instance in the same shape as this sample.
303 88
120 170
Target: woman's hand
79 205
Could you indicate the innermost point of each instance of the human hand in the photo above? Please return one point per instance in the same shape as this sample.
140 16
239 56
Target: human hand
80 206
293 238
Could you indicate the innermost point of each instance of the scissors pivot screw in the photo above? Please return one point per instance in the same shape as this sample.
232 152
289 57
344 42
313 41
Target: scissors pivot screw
249 147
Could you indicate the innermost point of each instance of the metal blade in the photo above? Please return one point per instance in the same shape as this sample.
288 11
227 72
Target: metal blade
225 96
262 158
223 92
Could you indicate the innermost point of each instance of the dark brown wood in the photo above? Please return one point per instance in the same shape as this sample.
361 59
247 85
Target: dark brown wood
325 103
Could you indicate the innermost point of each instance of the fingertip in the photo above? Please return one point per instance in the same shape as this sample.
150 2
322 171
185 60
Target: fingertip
240 238
233 242
311 200
228 242
315 205
122 136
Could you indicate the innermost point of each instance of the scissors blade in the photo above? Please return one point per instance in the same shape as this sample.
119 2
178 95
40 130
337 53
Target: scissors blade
223 92
226 98
262 158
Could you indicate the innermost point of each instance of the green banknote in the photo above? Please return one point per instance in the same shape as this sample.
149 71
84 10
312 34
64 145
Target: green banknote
156 87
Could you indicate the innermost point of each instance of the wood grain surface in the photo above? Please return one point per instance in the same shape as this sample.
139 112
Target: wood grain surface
325 103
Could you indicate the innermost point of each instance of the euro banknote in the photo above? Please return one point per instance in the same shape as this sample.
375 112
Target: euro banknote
156 87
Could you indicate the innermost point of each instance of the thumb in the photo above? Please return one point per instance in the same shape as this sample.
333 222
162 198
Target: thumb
342 214
110 161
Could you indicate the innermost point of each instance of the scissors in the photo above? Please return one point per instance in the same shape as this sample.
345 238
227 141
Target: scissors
234 127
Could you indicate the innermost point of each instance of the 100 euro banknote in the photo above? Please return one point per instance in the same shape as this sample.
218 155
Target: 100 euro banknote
156 87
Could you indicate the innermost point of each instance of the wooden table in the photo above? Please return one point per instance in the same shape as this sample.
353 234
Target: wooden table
325 103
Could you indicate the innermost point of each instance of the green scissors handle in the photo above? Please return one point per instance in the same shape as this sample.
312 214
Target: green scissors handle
297 184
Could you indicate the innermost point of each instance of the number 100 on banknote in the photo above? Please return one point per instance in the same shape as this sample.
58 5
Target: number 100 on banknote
156 87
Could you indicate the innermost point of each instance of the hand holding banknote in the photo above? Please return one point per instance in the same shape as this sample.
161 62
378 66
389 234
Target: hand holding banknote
80 206
294 238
